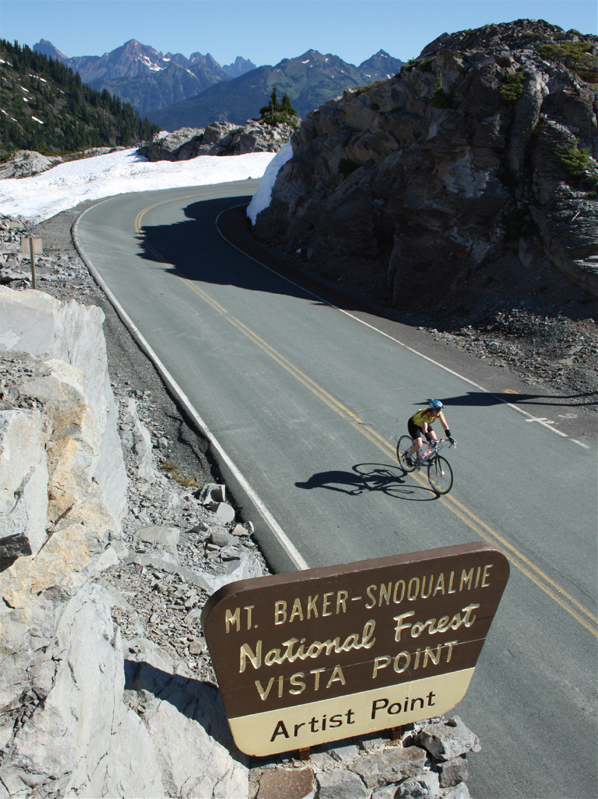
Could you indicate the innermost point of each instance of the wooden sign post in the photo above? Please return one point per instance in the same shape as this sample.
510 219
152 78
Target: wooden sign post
315 656
32 247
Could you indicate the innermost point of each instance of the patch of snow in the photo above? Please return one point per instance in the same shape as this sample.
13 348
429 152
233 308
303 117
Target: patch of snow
37 120
2 61
25 90
25 100
263 196
306 62
64 186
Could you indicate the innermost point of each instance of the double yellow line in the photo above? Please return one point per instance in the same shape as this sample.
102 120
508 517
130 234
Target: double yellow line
585 617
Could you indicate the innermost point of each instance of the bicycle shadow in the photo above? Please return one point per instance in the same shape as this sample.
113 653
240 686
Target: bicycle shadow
368 478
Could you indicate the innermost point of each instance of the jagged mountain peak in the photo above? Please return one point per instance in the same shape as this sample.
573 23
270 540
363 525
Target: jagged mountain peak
47 48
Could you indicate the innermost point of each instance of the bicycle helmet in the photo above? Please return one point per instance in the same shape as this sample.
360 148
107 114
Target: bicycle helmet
436 404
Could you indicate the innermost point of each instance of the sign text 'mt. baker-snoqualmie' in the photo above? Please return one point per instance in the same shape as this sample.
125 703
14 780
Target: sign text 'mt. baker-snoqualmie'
309 657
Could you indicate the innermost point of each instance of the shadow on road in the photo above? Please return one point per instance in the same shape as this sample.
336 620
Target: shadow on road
483 399
193 249
366 478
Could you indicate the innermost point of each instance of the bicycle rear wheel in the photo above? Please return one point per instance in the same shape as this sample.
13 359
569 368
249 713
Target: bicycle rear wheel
404 444
440 475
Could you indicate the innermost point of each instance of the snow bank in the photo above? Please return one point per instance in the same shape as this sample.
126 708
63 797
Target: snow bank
66 185
261 199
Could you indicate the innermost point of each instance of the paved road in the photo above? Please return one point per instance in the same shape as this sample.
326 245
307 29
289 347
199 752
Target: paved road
308 402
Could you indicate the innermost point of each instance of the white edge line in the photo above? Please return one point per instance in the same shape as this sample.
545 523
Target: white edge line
386 335
277 530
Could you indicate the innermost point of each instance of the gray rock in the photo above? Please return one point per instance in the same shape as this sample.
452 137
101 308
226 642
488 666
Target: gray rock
385 791
390 765
424 786
340 784
460 791
222 539
24 163
212 494
35 323
448 740
156 534
23 482
439 149
136 436
344 751
453 772
225 513
167 563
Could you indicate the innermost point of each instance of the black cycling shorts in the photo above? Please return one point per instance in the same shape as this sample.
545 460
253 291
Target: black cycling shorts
415 431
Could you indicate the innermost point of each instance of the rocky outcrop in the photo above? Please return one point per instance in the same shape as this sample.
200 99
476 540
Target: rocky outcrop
83 712
219 138
34 323
430 184
24 163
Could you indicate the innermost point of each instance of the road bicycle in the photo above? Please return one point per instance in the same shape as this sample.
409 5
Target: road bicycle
440 474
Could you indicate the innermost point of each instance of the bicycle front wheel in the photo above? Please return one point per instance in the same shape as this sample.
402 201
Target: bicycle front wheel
440 475
404 444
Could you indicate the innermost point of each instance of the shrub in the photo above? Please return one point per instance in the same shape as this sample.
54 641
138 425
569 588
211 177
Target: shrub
276 112
575 161
440 98
575 56
513 87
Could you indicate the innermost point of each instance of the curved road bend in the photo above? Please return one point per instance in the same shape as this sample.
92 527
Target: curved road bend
304 400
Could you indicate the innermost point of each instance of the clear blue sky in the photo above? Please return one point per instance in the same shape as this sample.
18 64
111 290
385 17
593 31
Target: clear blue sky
268 30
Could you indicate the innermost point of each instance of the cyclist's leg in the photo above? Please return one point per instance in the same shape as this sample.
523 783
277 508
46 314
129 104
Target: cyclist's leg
416 434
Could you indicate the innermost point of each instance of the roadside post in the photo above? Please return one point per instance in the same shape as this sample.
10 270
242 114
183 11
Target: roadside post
32 247
315 656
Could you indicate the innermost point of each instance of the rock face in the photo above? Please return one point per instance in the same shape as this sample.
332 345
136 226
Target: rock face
219 138
34 323
442 179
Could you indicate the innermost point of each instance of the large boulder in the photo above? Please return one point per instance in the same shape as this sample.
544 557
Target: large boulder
428 184
219 138
23 482
33 322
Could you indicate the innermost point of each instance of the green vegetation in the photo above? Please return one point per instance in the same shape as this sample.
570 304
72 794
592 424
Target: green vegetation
576 56
440 98
45 107
347 167
575 161
361 89
275 112
513 87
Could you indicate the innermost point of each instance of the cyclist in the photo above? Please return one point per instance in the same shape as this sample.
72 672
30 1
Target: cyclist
420 425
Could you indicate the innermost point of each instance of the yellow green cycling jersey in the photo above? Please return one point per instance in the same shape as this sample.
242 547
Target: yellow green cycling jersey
426 415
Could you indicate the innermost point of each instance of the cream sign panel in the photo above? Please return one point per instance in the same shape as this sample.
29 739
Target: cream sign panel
315 656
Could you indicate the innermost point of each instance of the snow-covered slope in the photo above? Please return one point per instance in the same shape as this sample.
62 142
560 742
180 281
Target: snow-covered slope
44 195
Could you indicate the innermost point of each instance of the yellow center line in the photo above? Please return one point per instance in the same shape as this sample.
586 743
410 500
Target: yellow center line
483 530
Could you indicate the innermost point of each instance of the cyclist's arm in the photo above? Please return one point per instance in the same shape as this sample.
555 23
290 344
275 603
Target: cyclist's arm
446 429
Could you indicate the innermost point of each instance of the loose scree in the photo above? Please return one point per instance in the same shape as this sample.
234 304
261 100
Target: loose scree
314 656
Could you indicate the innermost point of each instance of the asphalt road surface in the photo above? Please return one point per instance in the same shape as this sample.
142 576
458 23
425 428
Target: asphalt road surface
307 402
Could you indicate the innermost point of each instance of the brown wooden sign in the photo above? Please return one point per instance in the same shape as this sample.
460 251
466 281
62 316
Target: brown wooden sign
314 656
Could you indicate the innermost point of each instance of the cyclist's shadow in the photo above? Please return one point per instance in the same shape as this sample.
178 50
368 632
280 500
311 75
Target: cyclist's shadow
368 478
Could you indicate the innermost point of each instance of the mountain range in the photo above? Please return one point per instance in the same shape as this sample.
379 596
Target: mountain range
175 91
310 80
146 78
